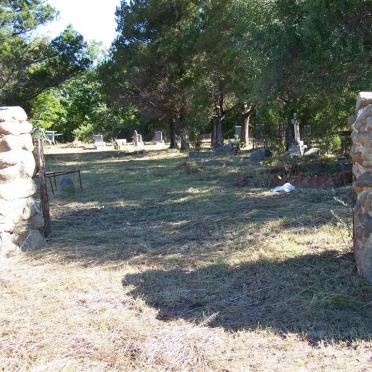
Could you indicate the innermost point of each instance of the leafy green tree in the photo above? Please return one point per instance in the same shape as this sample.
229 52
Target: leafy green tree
226 61
30 65
318 58
17 20
77 109
150 59
48 110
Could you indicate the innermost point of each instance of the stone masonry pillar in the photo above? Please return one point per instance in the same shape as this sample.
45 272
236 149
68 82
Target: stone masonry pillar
20 218
362 185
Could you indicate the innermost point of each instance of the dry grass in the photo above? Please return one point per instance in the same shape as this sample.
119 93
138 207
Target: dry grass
161 264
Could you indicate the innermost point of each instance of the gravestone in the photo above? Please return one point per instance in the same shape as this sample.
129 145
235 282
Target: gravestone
98 141
137 139
362 185
158 138
296 147
260 154
121 141
207 136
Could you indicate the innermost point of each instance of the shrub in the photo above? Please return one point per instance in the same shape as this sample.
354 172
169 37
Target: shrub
84 132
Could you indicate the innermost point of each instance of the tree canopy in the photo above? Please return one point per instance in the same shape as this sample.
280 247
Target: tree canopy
29 64
192 66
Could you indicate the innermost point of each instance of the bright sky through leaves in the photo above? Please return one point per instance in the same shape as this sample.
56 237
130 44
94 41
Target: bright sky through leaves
94 19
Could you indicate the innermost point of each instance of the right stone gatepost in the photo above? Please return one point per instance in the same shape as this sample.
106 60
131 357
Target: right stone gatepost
362 185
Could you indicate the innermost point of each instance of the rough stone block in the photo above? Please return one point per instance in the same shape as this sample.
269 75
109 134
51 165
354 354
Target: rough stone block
37 221
12 113
17 189
11 173
8 245
16 171
362 182
9 158
351 119
24 158
358 170
363 233
24 208
12 142
32 241
361 123
364 138
363 99
21 212
15 128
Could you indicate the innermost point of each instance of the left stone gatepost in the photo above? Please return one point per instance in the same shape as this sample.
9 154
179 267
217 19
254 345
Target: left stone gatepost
362 185
20 218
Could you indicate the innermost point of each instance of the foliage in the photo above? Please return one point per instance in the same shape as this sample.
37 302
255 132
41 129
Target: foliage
183 63
77 110
150 58
47 109
84 132
30 65
318 60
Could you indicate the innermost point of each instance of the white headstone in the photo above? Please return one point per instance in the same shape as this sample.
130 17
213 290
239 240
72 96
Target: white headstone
158 137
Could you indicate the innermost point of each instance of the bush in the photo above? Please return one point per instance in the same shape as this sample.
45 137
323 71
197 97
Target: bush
84 132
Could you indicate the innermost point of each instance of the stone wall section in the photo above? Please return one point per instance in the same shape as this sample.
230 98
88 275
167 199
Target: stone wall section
20 219
362 185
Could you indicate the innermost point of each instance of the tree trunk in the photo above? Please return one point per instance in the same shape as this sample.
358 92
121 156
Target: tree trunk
217 121
185 142
245 118
218 139
172 135
213 135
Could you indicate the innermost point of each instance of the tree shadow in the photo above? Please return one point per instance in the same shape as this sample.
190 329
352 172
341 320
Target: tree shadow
319 297
149 210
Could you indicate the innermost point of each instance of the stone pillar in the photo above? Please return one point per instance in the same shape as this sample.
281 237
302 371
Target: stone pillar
20 219
362 185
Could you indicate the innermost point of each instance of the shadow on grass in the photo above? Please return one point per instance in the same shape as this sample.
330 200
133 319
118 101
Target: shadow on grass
317 296
151 211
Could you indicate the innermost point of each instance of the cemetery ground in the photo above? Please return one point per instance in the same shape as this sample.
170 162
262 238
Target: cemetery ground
164 264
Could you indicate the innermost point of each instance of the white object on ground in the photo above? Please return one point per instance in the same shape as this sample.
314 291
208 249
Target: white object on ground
287 187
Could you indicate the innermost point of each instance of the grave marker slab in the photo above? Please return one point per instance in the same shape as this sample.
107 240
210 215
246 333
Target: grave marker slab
158 138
